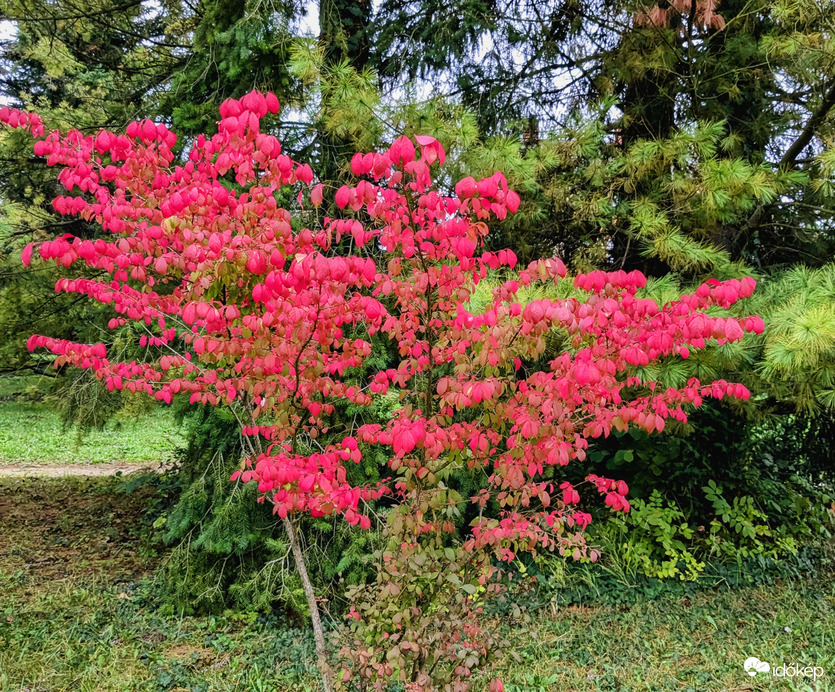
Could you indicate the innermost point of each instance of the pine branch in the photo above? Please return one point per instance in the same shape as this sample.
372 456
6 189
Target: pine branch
789 158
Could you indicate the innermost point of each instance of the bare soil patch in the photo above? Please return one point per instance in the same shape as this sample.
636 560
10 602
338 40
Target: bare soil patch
57 530
60 470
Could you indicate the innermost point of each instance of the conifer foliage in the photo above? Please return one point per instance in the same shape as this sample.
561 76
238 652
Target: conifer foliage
245 307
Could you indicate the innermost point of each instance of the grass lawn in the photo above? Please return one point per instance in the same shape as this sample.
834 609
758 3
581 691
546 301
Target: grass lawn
78 613
31 433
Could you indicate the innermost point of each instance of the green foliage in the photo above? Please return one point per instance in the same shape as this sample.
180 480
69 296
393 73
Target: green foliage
230 552
235 47
722 491
94 65
798 357
213 525
748 522
665 140
657 540
654 205
653 539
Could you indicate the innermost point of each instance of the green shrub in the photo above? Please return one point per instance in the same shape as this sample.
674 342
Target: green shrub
653 539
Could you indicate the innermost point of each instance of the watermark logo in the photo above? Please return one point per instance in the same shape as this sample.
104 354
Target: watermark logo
753 665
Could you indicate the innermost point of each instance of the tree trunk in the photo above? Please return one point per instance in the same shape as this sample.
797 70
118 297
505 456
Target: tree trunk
322 658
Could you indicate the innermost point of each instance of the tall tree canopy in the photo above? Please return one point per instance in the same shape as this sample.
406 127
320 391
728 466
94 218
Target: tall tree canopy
751 79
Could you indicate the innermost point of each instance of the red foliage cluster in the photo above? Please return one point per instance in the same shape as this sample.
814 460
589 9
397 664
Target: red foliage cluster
702 12
243 306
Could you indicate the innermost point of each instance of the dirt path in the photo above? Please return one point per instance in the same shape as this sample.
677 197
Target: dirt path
58 470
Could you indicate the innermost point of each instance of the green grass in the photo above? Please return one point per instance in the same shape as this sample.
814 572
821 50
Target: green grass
78 610
697 643
18 385
31 433
78 613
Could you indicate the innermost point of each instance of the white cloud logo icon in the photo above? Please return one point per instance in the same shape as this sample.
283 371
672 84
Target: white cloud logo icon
754 665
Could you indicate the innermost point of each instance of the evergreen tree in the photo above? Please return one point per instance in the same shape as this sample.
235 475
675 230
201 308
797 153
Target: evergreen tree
535 70
84 66
234 47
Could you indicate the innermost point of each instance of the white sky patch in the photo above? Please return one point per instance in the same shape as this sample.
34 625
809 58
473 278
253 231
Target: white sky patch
7 30
308 23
